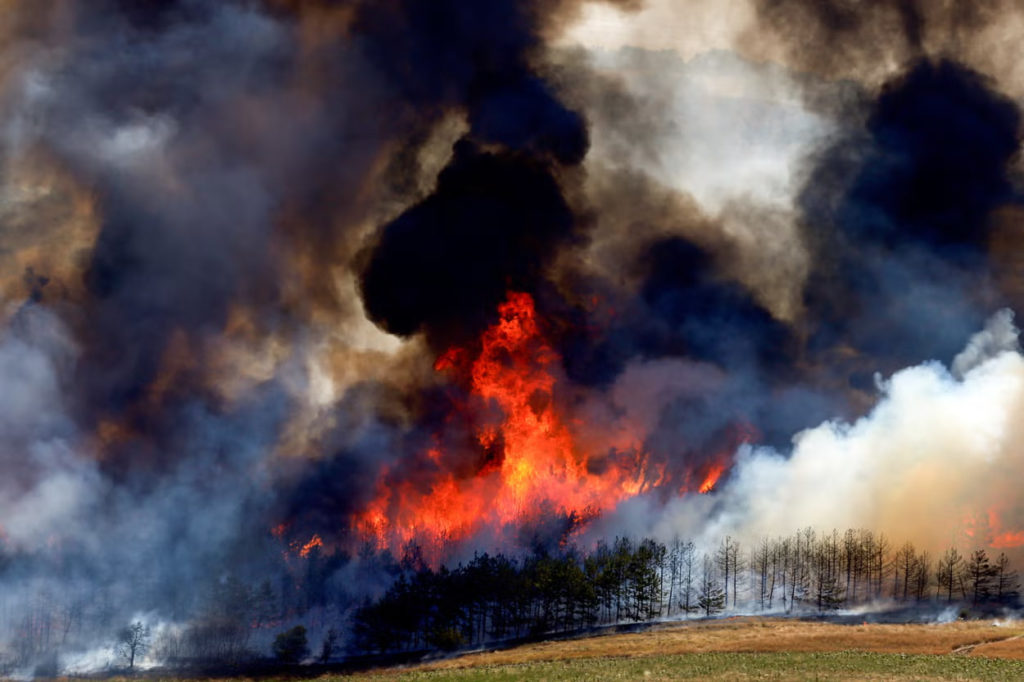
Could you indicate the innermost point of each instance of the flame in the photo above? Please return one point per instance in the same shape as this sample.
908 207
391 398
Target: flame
988 528
530 461
711 479
1003 538
314 541
534 466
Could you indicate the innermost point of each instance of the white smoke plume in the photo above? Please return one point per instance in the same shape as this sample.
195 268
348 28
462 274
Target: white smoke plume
937 461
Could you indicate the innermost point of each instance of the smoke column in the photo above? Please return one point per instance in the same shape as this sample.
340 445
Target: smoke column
298 284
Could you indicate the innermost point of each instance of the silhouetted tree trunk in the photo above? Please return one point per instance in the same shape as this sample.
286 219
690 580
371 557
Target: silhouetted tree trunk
947 572
979 574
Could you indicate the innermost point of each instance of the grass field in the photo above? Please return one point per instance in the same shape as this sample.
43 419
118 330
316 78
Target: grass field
752 648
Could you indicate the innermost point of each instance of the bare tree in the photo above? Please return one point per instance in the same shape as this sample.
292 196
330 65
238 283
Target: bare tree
948 572
921 576
1006 581
688 575
728 560
132 642
760 564
710 596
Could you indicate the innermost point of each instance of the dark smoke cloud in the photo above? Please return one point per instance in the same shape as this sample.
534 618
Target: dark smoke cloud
495 218
943 139
492 225
475 57
684 307
902 215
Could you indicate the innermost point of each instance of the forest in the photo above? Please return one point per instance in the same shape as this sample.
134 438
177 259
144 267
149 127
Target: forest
495 598
313 606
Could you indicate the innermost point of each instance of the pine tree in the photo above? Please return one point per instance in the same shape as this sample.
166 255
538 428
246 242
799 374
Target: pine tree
979 575
947 573
710 595
1006 581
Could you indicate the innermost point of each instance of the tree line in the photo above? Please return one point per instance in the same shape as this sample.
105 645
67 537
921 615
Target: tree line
497 597
234 619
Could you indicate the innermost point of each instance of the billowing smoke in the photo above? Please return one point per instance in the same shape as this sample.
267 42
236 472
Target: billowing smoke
296 291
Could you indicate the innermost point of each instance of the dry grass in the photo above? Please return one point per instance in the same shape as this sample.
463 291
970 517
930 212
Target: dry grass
766 635
748 649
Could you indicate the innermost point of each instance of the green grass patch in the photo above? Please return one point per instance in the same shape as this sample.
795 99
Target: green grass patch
843 665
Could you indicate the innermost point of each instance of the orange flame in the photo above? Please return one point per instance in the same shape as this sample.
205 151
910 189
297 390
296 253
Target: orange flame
315 541
711 479
533 464
1003 538
989 528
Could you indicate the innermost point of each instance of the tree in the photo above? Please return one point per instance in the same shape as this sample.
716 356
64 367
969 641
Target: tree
947 573
687 576
710 595
265 605
291 646
330 643
799 577
132 642
760 564
1007 583
921 576
824 558
728 559
979 574
903 568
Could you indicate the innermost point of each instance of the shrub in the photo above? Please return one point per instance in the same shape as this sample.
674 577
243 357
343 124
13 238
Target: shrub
291 646
447 639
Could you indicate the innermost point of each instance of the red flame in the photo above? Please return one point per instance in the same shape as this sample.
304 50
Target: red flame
315 541
536 464
711 479
989 528
1003 538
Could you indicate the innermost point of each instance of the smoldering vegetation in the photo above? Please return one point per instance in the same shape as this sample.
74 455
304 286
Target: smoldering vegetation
252 254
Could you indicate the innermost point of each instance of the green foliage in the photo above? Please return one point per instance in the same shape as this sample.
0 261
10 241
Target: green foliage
291 646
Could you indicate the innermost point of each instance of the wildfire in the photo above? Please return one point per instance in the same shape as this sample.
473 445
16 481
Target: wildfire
315 541
534 466
711 479
989 528
1003 538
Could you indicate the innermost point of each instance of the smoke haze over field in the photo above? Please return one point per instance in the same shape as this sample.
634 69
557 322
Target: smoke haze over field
285 279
